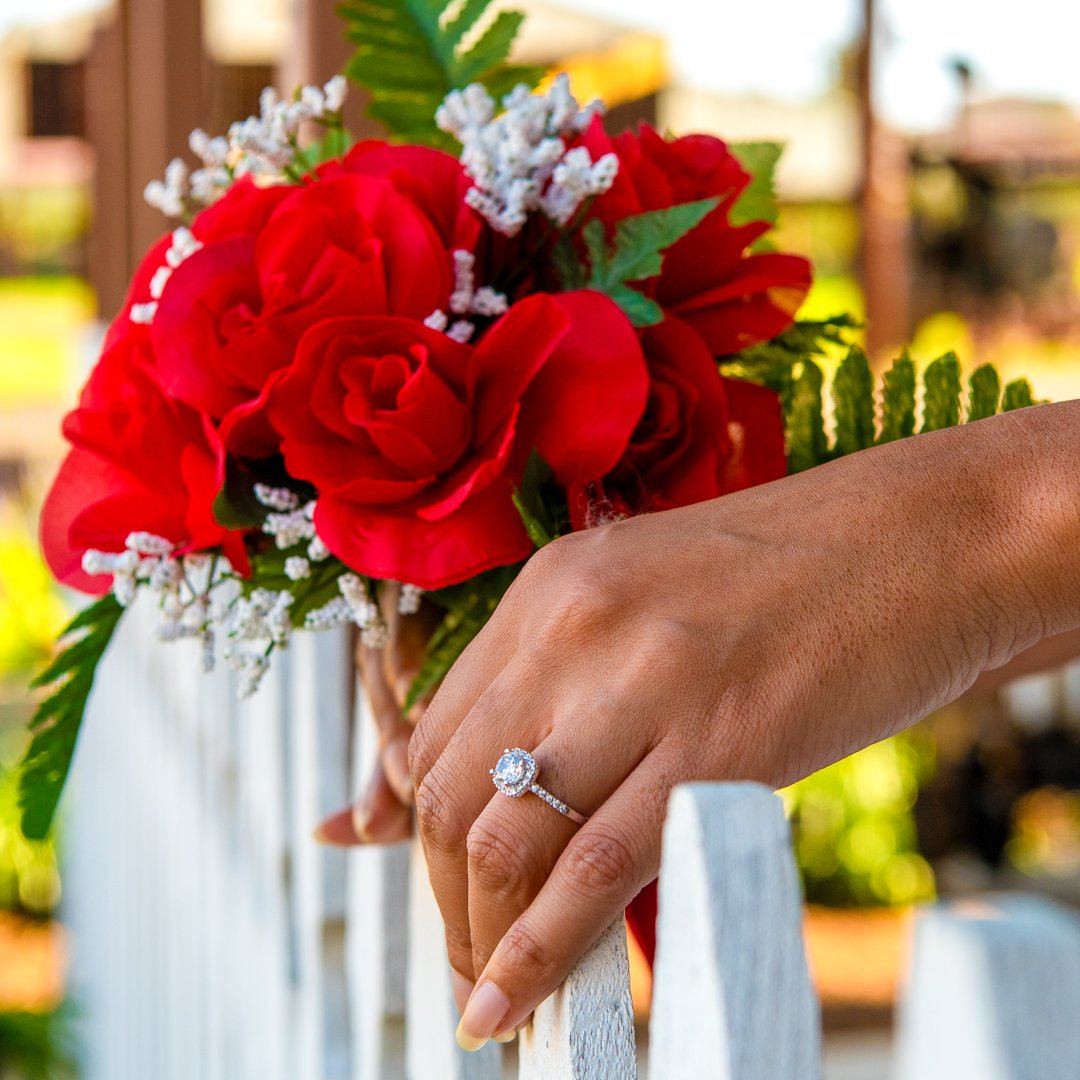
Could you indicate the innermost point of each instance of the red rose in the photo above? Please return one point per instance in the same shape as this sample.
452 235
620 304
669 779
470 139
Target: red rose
274 262
433 180
414 441
732 298
701 435
140 461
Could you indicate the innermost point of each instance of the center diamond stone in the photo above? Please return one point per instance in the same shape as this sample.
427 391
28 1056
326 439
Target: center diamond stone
514 771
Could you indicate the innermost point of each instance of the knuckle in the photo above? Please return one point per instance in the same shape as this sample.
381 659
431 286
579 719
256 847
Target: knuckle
599 861
439 821
523 953
497 861
421 751
459 948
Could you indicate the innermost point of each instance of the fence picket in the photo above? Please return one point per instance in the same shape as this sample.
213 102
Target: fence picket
431 1015
376 931
732 997
585 1030
320 676
212 938
993 993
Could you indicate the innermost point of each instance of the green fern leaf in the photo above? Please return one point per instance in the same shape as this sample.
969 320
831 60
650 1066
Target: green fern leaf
941 402
1017 396
807 445
468 608
898 401
985 393
411 53
853 398
637 254
56 723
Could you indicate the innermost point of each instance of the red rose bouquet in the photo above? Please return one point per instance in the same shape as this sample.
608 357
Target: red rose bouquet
353 364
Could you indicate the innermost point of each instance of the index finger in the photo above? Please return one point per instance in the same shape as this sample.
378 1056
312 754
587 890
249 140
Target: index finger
614 855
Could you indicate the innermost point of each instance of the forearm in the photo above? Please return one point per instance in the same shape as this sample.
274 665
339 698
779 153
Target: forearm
1002 513
902 573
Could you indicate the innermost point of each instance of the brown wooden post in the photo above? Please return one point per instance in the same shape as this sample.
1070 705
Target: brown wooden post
317 50
885 214
146 91
106 128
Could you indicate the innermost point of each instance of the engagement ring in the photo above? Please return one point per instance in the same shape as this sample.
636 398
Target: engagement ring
515 773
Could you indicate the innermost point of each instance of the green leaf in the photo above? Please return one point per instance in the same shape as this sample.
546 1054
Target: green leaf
539 522
1017 396
411 53
985 393
853 399
807 445
330 147
571 271
758 200
468 608
941 401
770 363
898 401
637 254
56 723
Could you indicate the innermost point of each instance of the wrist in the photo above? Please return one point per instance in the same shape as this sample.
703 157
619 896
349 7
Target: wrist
1006 520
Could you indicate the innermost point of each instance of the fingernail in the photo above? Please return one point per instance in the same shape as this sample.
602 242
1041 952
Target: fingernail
339 829
483 1016
396 767
462 988
361 820
505 1037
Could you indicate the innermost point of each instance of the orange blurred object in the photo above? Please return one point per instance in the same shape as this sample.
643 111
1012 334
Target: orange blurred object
33 964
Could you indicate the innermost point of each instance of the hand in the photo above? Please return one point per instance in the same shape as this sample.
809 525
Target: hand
759 636
383 814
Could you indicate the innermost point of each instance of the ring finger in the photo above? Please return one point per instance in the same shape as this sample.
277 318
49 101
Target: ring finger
515 842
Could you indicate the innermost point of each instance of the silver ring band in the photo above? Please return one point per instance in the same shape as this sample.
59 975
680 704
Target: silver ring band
515 774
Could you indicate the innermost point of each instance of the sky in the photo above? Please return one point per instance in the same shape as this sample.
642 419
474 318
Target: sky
787 48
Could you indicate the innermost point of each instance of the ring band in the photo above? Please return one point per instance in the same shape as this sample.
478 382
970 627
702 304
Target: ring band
515 773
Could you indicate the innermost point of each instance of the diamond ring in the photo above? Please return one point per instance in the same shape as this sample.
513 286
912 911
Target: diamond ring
515 773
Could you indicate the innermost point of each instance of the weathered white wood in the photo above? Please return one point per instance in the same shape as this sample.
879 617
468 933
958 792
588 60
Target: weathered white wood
263 844
431 1015
585 1030
993 993
376 931
320 676
732 997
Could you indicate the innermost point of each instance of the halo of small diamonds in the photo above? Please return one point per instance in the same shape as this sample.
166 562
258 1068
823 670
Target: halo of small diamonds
514 772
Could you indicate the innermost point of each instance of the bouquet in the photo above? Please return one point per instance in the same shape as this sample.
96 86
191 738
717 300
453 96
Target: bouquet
418 360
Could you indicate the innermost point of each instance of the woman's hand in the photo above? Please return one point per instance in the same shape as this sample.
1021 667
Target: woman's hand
383 814
760 636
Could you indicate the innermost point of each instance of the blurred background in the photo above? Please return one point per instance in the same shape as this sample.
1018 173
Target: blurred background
932 173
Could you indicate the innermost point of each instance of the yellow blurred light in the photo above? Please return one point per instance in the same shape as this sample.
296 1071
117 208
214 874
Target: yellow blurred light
40 324
632 68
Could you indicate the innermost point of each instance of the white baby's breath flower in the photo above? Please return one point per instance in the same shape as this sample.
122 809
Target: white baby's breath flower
297 568
276 498
317 551
461 331
335 91
437 320
518 160
409 599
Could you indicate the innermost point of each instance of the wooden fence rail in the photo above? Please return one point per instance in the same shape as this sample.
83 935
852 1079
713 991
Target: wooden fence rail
214 939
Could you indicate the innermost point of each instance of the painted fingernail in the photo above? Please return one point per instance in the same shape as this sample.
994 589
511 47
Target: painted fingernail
483 1016
462 988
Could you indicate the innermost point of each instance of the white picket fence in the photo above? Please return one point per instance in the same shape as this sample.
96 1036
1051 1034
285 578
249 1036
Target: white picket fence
215 940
